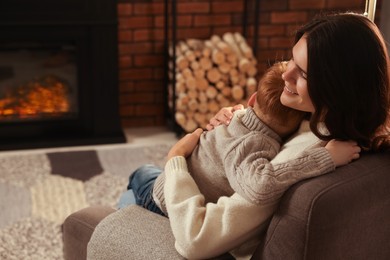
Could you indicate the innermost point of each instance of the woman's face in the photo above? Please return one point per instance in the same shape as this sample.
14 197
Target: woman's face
295 94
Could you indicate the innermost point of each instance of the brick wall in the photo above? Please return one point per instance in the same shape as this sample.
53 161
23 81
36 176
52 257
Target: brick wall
141 41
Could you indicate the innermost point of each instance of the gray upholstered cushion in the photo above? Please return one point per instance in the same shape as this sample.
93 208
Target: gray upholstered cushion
133 233
341 215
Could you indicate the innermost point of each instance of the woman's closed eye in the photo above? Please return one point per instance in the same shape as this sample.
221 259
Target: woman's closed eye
298 69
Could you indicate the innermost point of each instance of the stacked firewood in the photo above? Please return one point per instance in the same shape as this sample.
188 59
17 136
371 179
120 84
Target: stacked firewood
209 75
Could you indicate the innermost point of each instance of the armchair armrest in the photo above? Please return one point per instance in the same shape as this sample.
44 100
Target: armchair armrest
133 233
77 230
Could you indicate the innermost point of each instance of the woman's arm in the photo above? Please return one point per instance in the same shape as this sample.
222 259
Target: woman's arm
206 230
223 116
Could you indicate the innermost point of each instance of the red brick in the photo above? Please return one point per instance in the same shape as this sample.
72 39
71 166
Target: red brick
148 35
271 30
149 85
135 48
158 47
126 86
137 98
281 42
288 17
270 56
158 73
184 20
159 97
136 22
142 35
199 33
262 67
207 20
227 6
181 21
308 4
126 110
159 21
149 8
142 41
292 28
138 121
124 9
125 36
149 110
220 30
262 43
193 8
274 5
125 62
134 73
148 61
349 4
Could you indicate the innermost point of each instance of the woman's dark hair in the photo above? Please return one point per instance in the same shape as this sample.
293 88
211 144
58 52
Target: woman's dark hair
348 79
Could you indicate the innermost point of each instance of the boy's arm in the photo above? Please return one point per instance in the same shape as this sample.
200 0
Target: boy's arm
343 152
261 181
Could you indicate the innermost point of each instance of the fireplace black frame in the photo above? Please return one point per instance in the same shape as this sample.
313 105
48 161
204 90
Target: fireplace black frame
92 26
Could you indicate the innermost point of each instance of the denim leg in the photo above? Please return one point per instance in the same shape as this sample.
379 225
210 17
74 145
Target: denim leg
142 180
141 184
127 198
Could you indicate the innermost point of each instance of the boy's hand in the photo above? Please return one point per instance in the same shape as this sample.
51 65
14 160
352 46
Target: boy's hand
223 116
185 145
343 152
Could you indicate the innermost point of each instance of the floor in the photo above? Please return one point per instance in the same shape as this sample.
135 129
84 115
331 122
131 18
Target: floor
41 187
134 136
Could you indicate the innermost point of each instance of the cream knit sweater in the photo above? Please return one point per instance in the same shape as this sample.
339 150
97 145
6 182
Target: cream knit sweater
237 159
233 223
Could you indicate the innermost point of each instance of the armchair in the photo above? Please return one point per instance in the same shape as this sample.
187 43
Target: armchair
341 215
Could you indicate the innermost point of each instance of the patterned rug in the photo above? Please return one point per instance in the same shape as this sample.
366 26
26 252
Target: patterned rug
38 191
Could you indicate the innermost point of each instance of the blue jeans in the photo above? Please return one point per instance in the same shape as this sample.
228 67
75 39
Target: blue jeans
140 189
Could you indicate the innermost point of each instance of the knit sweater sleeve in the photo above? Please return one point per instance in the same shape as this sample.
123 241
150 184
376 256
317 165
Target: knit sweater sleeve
208 230
260 181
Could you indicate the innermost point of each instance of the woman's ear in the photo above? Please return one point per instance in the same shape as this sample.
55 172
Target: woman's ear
252 100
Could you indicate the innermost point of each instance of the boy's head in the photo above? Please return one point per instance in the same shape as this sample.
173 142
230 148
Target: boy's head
281 119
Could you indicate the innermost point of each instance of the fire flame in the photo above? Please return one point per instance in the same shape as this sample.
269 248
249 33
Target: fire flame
37 97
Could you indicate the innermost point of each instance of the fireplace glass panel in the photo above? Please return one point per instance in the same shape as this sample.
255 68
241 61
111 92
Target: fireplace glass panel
38 81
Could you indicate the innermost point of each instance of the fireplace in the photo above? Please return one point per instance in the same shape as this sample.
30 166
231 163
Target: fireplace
58 73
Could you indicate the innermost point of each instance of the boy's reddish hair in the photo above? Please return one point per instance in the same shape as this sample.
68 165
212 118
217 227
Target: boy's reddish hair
269 90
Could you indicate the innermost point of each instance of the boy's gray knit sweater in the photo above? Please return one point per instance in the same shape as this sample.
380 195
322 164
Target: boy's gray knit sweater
236 158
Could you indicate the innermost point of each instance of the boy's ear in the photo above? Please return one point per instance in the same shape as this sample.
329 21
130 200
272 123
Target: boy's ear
252 100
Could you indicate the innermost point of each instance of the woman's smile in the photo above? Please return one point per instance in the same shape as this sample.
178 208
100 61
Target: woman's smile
288 90
295 93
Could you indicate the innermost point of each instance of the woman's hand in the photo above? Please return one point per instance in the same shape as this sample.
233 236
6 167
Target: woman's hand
343 152
186 145
223 116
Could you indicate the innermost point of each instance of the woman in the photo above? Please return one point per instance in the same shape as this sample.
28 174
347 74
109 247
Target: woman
345 64
339 74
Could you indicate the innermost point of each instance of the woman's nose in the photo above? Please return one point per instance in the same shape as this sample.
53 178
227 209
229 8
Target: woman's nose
287 75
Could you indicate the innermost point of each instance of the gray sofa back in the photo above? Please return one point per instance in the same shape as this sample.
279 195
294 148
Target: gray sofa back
341 215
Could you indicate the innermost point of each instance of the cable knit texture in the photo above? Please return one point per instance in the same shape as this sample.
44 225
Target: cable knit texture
234 223
237 158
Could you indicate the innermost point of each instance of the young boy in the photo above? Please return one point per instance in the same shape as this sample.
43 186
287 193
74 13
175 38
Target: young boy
234 158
